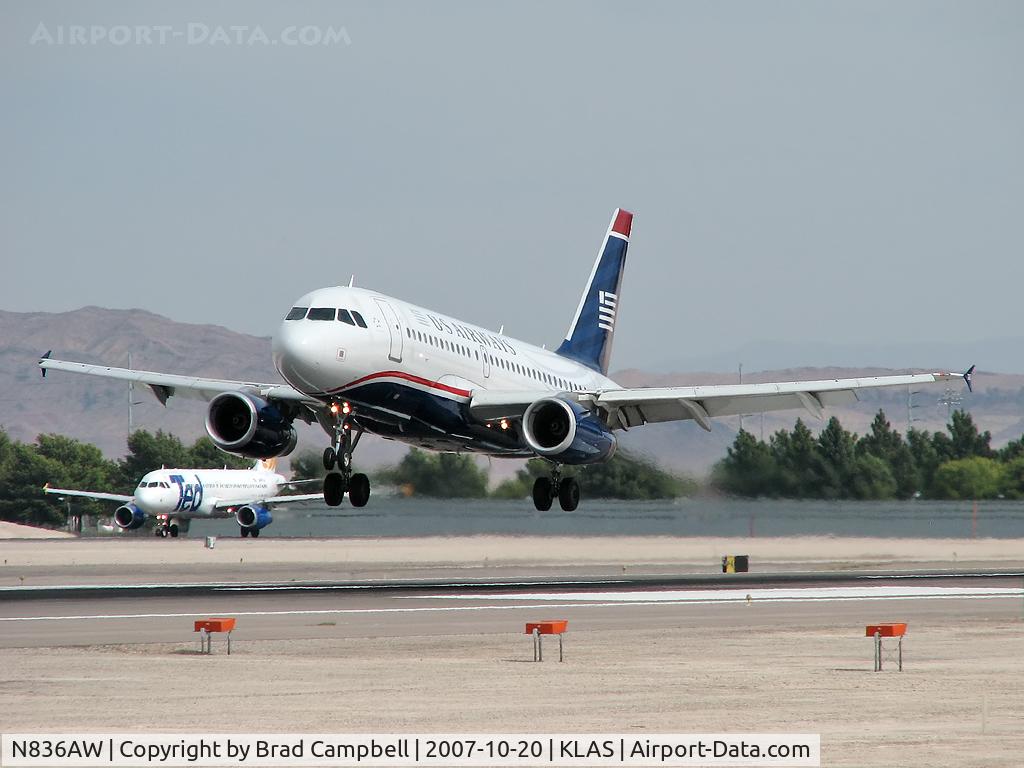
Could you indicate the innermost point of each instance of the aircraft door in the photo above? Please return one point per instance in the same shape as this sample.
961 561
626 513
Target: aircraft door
394 329
485 360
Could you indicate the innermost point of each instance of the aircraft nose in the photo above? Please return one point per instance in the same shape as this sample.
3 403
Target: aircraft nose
296 354
146 499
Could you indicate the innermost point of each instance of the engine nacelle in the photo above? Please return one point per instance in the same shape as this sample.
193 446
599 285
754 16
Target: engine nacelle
249 426
567 432
253 516
128 517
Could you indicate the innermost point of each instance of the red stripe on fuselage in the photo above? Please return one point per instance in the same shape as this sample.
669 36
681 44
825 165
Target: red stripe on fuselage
406 377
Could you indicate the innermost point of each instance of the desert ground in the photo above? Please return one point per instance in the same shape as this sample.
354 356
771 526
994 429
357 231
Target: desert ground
358 664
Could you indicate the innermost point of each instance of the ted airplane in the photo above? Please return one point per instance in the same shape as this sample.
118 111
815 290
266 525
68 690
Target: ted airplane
176 496
357 361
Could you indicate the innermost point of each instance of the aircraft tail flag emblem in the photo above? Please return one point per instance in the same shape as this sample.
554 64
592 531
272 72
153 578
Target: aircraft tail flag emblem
589 340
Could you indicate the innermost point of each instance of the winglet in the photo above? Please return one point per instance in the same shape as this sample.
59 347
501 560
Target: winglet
42 370
969 378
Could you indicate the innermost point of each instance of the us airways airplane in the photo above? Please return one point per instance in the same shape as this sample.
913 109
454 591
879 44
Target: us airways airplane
176 496
357 361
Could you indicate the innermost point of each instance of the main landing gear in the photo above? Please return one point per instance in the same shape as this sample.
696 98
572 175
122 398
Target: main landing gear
339 456
547 489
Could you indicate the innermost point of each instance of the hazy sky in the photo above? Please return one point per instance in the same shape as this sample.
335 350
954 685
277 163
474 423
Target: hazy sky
839 172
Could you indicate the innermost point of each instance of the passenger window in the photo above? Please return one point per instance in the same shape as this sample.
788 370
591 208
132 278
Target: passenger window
359 319
322 313
297 313
345 317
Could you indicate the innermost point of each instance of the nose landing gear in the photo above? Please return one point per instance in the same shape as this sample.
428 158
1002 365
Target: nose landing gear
168 526
547 489
339 455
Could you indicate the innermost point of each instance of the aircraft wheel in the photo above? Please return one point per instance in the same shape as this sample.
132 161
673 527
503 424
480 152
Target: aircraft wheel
330 458
255 533
158 532
334 489
359 490
543 494
174 531
163 533
569 494
245 532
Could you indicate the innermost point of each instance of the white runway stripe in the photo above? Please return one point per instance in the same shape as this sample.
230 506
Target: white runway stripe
779 594
600 600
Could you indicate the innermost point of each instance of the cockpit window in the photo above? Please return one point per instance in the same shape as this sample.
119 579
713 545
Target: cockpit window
345 317
322 313
297 313
359 319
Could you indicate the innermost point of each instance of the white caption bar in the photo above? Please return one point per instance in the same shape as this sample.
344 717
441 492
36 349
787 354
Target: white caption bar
442 749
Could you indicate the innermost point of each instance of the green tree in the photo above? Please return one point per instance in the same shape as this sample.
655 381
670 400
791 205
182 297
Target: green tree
307 465
748 468
794 456
204 454
444 475
925 456
835 460
513 488
972 478
885 443
1012 450
871 478
624 476
82 467
1012 485
22 477
147 452
965 440
628 476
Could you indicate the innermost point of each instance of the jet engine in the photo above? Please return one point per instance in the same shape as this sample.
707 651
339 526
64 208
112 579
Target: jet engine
250 426
566 432
253 516
129 517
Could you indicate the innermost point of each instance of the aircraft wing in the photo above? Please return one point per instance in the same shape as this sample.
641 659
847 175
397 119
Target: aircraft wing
631 407
273 501
165 385
88 494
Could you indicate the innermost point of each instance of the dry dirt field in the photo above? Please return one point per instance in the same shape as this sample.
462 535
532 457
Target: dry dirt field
959 702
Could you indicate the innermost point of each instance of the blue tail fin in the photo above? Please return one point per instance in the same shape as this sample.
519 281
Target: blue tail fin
589 340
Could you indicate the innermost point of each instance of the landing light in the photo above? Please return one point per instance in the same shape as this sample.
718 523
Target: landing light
335 408
346 408
504 423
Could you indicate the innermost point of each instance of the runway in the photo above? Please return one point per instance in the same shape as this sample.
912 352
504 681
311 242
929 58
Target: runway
162 613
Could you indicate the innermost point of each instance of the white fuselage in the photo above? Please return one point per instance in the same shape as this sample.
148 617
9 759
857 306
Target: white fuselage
203 492
428 359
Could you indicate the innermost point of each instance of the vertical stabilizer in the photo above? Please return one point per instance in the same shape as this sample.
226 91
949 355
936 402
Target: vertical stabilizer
589 339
